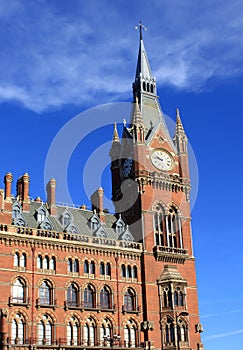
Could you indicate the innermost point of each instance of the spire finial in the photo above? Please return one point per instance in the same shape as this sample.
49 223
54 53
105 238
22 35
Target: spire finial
115 134
179 126
141 27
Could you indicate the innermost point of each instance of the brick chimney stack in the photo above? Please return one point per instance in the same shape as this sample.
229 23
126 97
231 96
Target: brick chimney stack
8 185
97 203
25 194
51 196
23 184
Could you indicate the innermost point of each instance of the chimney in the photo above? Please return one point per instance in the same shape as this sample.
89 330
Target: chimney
8 184
1 199
51 196
25 191
19 188
97 202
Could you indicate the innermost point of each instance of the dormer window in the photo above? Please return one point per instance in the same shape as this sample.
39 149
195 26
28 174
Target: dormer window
41 215
66 218
16 210
18 218
94 223
120 226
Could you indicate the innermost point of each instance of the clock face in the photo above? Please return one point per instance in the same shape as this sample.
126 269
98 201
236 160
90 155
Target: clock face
127 166
162 160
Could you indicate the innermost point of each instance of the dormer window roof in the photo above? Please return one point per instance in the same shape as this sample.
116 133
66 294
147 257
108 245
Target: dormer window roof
120 226
72 228
46 224
94 223
18 217
126 235
41 214
66 218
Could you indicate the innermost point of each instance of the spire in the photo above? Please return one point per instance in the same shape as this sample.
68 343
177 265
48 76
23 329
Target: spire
115 135
179 126
143 68
144 88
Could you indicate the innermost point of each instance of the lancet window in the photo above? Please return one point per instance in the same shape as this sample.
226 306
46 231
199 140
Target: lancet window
167 227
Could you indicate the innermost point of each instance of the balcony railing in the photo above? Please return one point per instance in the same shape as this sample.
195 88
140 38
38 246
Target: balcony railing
131 310
64 236
170 254
45 303
19 301
66 343
88 306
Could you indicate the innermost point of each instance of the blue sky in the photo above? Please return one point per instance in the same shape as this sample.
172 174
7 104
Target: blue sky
60 58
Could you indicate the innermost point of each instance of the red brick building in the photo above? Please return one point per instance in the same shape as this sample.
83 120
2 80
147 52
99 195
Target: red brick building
75 278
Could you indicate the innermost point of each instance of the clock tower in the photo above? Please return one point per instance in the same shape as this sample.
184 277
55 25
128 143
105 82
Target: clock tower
151 190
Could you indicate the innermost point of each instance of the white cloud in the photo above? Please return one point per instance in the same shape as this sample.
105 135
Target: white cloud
222 335
54 54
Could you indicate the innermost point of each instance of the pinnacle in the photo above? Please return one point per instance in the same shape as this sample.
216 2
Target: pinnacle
179 126
115 135
137 115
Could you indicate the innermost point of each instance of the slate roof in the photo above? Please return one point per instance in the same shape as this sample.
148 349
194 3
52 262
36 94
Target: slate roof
79 218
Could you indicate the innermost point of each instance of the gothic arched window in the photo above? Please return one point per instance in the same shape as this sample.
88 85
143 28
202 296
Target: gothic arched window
89 332
130 300
167 300
105 332
169 331
19 291
178 297
45 293
159 226
45 330
73 328
72 295
18 329
182 331
89 297
105 298
167 228
130 334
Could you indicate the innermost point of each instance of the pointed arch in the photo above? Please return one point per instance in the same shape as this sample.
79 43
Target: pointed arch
131 333
130 300
19 291
90 332
73 295
106 297
45 329
89 296
18 328
73 330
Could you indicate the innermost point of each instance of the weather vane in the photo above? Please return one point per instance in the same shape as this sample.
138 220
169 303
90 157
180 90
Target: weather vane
141 27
